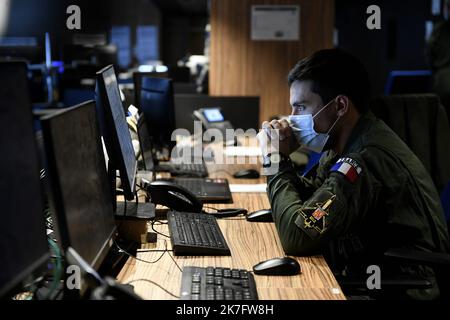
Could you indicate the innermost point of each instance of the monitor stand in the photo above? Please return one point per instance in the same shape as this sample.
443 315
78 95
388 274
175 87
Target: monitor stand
132 210
135 210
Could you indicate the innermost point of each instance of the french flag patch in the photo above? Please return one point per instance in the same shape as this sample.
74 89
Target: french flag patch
348 167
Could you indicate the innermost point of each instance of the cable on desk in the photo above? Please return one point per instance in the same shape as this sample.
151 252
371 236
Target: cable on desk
156 284
173 259
153 250
139 259
225 213
160 222
160 233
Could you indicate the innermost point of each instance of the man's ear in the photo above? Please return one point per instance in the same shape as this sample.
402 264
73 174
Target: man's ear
342 105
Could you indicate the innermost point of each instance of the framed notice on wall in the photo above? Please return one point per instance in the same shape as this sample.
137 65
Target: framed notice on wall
275 22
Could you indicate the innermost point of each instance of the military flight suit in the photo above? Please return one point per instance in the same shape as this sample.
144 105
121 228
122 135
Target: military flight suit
376 195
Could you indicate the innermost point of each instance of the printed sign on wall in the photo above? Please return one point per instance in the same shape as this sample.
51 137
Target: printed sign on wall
275 22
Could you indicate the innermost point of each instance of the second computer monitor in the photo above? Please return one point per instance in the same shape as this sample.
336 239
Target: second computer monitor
80 193
158 108
23 241
115 130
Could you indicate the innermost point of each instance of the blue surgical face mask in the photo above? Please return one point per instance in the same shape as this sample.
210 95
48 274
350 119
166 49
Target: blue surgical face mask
307 137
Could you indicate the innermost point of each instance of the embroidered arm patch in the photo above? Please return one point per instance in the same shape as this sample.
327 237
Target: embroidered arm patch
348 167
314 216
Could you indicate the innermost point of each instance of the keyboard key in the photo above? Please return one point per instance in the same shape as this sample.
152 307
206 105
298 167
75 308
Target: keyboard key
203 236
210 292
195 288
196 277
243 274
210 271
218 272
226 273
218 281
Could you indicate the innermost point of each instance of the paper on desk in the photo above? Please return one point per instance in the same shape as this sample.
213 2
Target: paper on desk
261 187
242 151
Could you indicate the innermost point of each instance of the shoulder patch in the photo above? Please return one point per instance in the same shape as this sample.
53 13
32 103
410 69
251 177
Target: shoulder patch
348 167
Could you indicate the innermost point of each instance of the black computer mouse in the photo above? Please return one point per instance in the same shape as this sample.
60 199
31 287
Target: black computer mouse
264 215
246 174
284 266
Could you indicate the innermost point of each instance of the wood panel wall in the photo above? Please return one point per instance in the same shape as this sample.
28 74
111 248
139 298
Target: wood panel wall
240 66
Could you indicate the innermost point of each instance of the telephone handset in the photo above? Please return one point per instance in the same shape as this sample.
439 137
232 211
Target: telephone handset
178 198
172 196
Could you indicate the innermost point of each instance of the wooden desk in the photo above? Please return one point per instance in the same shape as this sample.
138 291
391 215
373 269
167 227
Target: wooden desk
249 243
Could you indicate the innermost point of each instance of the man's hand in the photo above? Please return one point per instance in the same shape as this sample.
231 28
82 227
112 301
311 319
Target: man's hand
280 130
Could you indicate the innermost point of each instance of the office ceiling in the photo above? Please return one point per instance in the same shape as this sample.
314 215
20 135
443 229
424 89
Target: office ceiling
183 6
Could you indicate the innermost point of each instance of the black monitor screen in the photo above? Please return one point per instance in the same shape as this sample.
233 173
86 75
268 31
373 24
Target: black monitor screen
23 242
115 129
158 108
137 80
81 197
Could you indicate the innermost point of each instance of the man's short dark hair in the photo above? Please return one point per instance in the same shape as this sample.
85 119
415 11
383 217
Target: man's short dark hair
334 72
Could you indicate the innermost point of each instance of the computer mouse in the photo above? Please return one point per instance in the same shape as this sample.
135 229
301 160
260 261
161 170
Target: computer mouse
264 215
246 174
284 266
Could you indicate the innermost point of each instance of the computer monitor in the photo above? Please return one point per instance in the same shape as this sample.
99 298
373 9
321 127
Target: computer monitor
137 80
158 108
80 195
115 131
145 144
23 241
77 55
26 48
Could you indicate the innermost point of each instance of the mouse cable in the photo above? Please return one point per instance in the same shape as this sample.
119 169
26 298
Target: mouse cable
157 232
225 213
173 259
156 284
160 222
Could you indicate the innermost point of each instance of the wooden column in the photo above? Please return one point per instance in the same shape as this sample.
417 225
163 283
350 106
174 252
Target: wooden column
242 67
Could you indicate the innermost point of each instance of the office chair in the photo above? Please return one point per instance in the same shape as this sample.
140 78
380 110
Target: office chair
394 286
408 81
421 122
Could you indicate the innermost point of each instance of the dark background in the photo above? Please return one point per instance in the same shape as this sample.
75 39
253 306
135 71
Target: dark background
399 45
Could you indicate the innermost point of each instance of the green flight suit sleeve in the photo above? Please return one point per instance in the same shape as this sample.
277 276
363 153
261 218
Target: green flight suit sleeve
305 223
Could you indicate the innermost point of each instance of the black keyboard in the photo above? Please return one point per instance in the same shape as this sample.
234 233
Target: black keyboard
196 234
189 169
197 170
217 284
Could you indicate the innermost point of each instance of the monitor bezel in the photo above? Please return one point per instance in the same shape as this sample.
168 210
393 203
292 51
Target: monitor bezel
116 158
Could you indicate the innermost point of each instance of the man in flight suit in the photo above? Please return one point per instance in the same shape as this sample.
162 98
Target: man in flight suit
368 193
